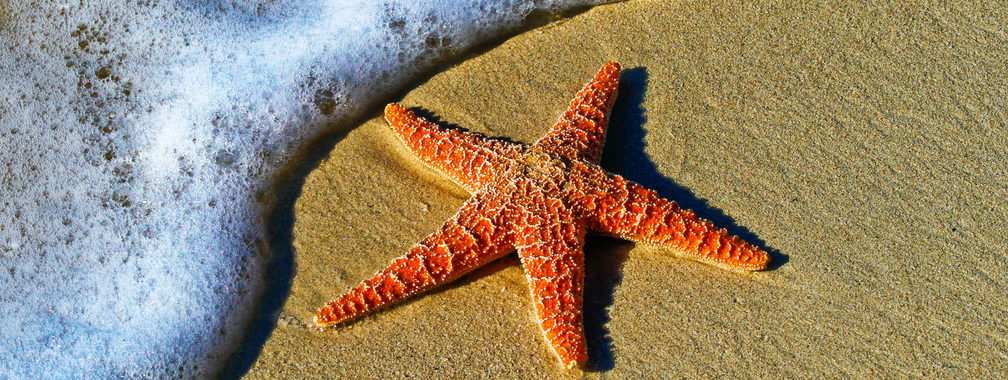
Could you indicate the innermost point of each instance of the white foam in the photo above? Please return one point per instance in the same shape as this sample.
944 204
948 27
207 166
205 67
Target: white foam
136 136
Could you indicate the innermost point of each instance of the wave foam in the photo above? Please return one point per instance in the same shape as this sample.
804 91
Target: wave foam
140 139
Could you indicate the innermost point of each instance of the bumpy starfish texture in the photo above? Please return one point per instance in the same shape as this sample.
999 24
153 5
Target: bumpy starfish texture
540 200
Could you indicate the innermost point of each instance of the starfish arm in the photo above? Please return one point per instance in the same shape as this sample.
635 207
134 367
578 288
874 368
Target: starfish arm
470 159
581 130
630 211
465 242
552 255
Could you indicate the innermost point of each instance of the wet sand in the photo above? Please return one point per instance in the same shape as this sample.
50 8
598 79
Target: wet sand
864 147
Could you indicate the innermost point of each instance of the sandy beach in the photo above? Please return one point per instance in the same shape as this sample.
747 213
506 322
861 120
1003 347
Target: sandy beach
863 146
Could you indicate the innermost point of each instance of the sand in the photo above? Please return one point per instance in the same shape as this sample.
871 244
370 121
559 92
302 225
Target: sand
863 146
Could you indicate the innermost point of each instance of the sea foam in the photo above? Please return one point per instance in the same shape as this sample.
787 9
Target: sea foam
140 139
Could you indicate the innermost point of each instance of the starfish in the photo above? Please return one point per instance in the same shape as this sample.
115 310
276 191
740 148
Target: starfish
540 200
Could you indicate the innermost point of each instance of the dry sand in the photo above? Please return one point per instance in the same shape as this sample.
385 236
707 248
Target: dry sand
865 146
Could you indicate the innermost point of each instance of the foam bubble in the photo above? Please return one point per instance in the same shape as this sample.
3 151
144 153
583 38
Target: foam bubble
140 138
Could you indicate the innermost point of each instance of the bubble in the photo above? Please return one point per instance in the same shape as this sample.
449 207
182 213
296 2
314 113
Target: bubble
121 196
324 102
103 72
224 158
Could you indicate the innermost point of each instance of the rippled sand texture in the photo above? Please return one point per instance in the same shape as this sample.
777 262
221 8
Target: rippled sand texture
865 145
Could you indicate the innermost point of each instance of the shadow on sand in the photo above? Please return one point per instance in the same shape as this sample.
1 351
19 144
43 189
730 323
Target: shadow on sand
624 154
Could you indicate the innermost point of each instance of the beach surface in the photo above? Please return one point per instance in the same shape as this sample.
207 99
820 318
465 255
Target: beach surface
865 147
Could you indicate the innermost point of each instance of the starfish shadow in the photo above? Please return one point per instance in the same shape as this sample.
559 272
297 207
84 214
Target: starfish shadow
433 117
624 153
604 258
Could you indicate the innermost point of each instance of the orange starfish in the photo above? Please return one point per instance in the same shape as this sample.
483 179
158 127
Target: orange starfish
540 199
